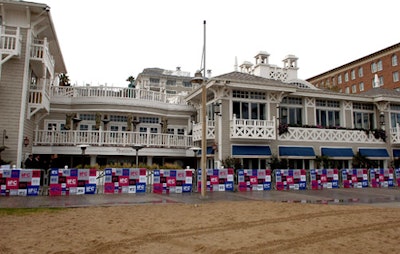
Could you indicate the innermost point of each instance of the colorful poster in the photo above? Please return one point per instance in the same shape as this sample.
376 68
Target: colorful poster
355 178
324 179
217 179
290 179
381 177
72 181
167 181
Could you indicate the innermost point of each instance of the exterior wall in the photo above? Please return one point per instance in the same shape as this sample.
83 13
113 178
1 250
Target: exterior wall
329 79
11 92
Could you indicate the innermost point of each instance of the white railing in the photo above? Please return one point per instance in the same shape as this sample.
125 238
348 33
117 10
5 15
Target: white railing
113 92
111 138
328 135
40 51
253 129
197 133
395 135
10 41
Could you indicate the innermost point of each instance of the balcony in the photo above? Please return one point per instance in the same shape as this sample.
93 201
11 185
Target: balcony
40 52
39 99
395 135
110 94
102 138
197 133
10 42
253 129
328 135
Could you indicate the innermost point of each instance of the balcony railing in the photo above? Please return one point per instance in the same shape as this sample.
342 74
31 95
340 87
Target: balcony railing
328 135
39 97
197 133
111 138
253 129
113 92
40 51
395 135
10 42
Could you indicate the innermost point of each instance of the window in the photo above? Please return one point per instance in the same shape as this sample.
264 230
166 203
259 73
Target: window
381 81
394 115
347 90
328 113
116 118
353 74
363 116
346 77
187 84
354 88
394 60
247 110
88 117
171 82
181 131
328 118
291 111
360 72
395 76
373 67
379 65
149 120
154 81
361 86
339 79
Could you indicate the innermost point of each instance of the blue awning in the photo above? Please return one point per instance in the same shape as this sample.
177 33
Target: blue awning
251 150
344 152
396 153
374 152
296 151
210 150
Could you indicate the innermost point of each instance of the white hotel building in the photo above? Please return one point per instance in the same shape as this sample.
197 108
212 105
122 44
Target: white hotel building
258 113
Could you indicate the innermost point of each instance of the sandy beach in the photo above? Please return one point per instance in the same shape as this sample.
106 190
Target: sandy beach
221 227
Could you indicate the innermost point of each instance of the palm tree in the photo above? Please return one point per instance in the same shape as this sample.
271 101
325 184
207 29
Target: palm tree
63 79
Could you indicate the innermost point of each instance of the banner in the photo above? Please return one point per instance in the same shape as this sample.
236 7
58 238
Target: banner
397 175
19 182
172 181
355 178
380 177
254 179
72 181
124 180
324 179
290 179
217 179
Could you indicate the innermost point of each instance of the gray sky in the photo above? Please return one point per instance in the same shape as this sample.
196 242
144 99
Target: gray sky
104 42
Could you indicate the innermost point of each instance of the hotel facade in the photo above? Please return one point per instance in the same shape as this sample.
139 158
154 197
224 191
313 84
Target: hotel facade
257 115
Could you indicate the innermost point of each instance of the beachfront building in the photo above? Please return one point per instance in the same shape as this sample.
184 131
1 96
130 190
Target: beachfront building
31 60
379 69
260 115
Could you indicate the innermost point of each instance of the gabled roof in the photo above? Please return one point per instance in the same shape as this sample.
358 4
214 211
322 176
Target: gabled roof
241 77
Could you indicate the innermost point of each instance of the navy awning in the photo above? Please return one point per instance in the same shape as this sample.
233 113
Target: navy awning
396 153
210 150
251 150
374 152
296 151
337 152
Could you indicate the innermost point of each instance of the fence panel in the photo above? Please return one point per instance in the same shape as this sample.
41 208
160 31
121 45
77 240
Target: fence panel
355 178
254 179
125 180
172 181
324 179
217 179
381 177
72 181
290 179
20 182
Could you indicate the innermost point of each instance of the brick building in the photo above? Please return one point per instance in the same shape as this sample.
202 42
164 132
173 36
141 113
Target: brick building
379 69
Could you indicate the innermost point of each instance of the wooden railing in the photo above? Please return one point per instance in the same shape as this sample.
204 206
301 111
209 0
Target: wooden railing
111 138
113 92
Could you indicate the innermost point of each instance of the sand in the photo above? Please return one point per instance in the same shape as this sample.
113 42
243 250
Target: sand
221 227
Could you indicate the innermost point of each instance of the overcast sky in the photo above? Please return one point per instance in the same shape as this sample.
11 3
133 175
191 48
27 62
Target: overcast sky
105 42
